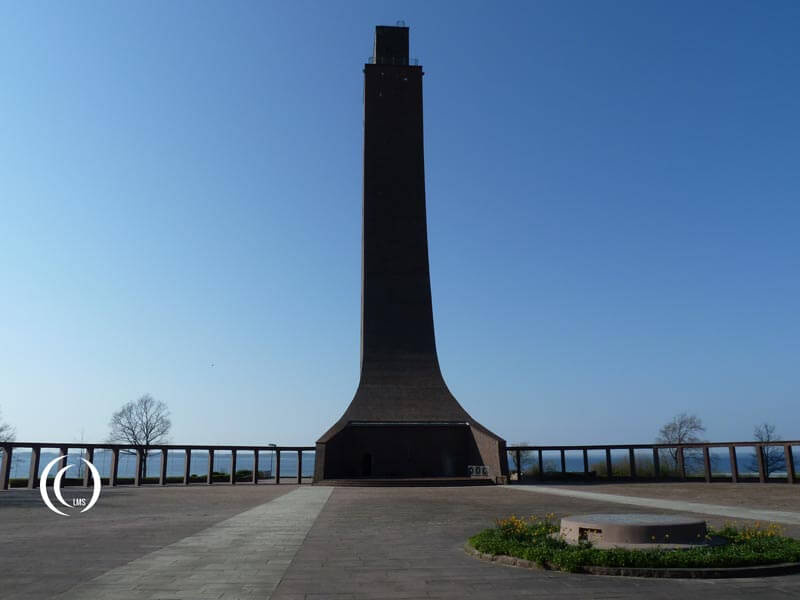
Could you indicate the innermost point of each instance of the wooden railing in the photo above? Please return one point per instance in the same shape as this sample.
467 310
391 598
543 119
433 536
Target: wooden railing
8 449
763 452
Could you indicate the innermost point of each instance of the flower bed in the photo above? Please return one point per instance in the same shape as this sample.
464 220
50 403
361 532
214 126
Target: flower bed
533 540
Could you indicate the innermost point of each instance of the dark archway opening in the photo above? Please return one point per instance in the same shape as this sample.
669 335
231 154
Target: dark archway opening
366 464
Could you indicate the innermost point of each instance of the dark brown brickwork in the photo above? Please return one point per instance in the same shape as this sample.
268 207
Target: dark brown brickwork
403 421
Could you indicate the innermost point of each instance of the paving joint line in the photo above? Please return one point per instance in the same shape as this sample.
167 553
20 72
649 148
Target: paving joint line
736 512
266 539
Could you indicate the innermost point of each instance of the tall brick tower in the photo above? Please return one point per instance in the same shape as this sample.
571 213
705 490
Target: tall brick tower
403 421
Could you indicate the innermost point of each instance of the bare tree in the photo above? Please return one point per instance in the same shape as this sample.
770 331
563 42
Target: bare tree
141 423
7 432
774 459
524 456
682 429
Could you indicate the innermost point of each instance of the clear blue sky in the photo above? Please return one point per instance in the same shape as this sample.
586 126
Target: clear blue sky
612 205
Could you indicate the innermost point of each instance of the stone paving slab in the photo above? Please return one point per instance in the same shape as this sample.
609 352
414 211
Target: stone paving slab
404 543
735 512
765 496
43 554
242 557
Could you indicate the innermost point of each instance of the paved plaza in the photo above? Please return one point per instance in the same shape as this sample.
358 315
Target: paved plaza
314 542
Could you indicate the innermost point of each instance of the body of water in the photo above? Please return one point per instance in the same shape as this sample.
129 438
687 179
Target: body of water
720 461
746 460
175 463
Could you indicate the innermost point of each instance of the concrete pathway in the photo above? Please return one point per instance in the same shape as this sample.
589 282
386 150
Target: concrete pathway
408 543
240 541
735 512
243 557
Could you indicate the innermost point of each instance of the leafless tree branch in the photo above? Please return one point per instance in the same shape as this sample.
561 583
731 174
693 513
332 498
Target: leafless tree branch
141 423
683 429
7 432
774 459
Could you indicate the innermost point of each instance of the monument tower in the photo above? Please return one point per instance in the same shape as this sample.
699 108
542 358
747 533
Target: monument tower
403 421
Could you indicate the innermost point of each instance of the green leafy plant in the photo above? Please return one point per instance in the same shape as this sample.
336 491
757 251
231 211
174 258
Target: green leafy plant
533 539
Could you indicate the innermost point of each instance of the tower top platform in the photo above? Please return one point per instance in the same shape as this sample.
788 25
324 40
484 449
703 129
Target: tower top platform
391 45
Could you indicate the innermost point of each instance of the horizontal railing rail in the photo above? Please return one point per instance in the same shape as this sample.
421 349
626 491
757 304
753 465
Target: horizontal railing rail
109 446
766 458
403 61
645 446
765 455
143 452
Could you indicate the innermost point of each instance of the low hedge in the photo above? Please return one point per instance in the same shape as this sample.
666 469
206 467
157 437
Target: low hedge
533 540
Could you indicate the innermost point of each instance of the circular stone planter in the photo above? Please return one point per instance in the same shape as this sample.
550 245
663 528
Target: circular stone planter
636 531
681 573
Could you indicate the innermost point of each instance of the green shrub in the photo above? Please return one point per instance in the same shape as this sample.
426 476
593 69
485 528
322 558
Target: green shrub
531 539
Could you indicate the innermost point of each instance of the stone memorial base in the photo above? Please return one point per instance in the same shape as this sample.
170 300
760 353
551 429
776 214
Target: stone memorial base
636 531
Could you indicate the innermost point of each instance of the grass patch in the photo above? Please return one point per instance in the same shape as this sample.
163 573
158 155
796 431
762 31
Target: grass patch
531 539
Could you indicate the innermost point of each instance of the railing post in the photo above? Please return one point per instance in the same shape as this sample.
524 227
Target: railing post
608 463
210 476
632 462
656 464
299 467
681 464
255 467
563 462
112 474
33 469
789 458
86 474
541 465
734 464
762 471
137 477
518 456
586 463
706 464
233 466
187 467
64 452
277 466
162 476
5 467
